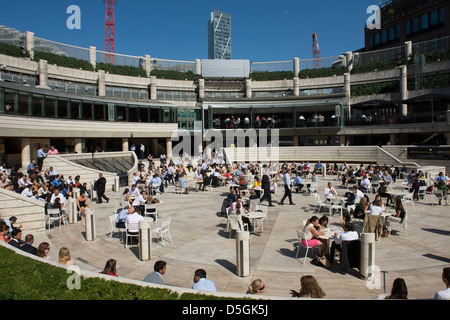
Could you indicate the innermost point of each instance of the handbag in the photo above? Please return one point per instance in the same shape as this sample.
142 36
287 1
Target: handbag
325 262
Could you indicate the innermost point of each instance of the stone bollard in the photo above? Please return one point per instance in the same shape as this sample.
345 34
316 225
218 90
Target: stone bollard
242 253
72 210
89 224
93 192
367 262
145 240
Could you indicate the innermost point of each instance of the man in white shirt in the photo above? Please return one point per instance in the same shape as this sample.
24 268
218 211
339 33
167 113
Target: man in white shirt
134 217
201 283
329 191
444 294
134 191
358 194
55 195
27 191
348 235
287 188
365 183
139 201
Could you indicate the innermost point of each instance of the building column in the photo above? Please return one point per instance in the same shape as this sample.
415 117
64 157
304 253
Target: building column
125 145
30 44
447 136
25 153
101 83
148 64
404 88
347 91
295 141
341 141
201 88
154 147
248 88
78 145
153 88
198 67
168 148
393 139
43 75
93 56
296 67
296 86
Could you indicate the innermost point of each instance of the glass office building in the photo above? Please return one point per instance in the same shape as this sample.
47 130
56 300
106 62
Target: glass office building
219 35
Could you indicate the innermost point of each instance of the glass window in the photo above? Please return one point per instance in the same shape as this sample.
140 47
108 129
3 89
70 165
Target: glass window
154 115
87 110
122 113
37 105
99 112
434 20
397 31
63 108
377 38
75 106
143 114
441 15
24 103
408 27
11 101
50 107
391 34
133 113
371 41
415 25
383 36
424 22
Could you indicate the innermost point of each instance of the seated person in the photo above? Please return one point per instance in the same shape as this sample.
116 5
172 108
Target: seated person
298 183
376 208
361 208
382 192
348 235
330 191
312 235
397 216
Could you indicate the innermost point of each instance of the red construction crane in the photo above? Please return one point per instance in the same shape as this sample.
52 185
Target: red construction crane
109 31
316 52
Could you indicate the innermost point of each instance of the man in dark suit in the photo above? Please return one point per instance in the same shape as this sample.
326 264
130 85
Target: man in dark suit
100 186
265 185
28 246
16 238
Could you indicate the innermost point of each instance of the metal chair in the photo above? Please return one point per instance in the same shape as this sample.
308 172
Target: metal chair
54 215
151 210
134 233
162 230
301 236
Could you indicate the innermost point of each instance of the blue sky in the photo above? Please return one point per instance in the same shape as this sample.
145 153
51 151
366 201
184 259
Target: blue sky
261 30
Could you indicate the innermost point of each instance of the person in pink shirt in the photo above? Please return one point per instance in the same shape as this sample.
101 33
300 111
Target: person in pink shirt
52 150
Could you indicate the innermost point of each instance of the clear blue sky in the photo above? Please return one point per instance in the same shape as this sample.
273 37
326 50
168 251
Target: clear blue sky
261 30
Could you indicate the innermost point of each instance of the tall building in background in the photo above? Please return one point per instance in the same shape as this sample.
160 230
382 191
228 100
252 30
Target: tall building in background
219 35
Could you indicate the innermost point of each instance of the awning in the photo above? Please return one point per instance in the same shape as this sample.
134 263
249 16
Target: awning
375 103
427 98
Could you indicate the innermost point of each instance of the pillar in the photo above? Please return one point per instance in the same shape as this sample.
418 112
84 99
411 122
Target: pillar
25 153
242 253
43 75
30 44
93 56
296 86
198 67
347 91
295 141
78 145
296 67
393 138
341 140
125 145
90 224
154 150
349 60
404 88
367 254
101 83
153 88
145 240
168 148
408 50
201 88
148 65
447 137
248 88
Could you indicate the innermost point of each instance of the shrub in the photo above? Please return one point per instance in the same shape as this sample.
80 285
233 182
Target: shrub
63 61
12 50
375 88
122 70
322 72
173 75
269 76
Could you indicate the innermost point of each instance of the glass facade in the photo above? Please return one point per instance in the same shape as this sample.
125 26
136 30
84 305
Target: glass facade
219 36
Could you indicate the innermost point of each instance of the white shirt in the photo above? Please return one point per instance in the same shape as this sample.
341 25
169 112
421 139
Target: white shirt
204 284
375 210
443 294
328 192
358 195
365 183
61 198
138 201
134 218
134 192
346 236
27 192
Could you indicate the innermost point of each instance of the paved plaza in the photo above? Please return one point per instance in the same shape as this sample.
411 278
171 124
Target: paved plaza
200 240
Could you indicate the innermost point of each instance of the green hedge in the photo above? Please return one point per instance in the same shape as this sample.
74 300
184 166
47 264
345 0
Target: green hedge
173 75
322 72
122 70
63 61
27 279
441 55
269 76
375 88
12 50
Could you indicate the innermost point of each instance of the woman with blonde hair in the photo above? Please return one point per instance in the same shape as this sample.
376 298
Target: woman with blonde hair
64 257
256 287
361 208
309 288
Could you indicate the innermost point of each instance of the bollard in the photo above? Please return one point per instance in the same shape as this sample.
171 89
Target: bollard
93 192
242 253
72 210
89 224
145 240
367 261
116 185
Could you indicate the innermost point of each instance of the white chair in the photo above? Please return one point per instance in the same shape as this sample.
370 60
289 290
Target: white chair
408 198
263 210
165 228
403 223
235 223
112 221
301 236
131 231
320 203
54 215
336 205
151 210
422 192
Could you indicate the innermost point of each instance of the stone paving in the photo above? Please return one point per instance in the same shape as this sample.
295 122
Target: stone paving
200 241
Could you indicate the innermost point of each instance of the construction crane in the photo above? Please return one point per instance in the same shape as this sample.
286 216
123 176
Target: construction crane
316 52
109 31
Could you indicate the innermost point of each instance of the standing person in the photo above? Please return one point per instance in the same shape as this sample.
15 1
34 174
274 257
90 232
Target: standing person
265 185
309 288
444 294
142 151
156 276
287 188
201 283
41 155
100 186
